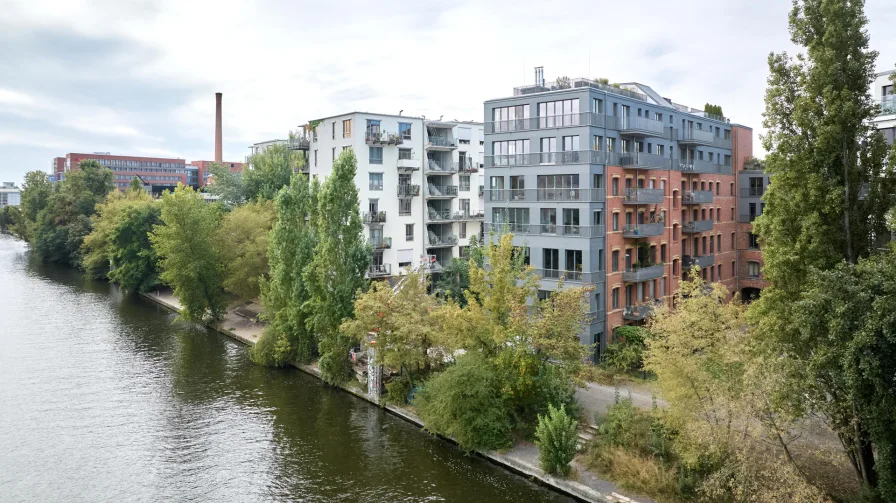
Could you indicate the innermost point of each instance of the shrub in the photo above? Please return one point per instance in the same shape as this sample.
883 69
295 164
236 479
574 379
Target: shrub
628 353
397 390
466 403
555 437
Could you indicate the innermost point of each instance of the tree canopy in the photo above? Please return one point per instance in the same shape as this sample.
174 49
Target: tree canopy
243 241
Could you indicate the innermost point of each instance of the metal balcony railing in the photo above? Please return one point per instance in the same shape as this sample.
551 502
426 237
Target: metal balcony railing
638 312
697 166
643 230
547 122
637 274
376 137
298 143
752 191
643 196
374 217
379 271
552 194
702 261
436 241
640 126
697 197
695 136
697 226
583 231
746 218
571 276
436 191
441 141
436 215
640 160
441 167
719 142
538 158
408 190
468 215
381 243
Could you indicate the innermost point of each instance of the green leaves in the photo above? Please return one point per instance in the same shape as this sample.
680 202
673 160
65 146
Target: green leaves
556 439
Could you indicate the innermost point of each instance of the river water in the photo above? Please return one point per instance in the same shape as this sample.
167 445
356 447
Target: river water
104 397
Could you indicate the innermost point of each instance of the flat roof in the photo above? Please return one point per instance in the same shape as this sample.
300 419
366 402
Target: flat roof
368 113
888 72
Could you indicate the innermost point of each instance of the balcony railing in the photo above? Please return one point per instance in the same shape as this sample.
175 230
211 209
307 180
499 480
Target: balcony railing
697 226
469 168
435 215
379 271
640 160
441 191
698 166
571 276
374 217
407 165
556 194
638 312
468 215
697 197
381 243
752 191
436 241
702 261
639 274
643 196
583 231
538 158
887 105
441 141
640 126
547 122
408 190
746 218
643 230
441 167
695 136
377 137
298 143
719 142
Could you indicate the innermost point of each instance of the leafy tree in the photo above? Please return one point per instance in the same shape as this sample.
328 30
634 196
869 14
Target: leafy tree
337 271
271 170
401 321
135 185
556 440
822 151
467 403
455 277
243 241
10 218
62 225
627 353
188 255
227 185
36 192
291 246
120 239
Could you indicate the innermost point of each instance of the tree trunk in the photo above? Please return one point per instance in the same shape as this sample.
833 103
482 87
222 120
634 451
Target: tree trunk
864 451
847 206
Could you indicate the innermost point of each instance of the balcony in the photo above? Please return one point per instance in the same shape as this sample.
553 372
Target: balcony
702 261
549 158
441 191
379 271
720 142
570 276
381 243
640 160
298 143
468 215
435 215
640 126
556 195
752 191
374 217
643 230
377 138
638 274
436 241
408 165
887 105
546 122
695 166
444 143
638 312
696 197
746 218
697 226
579 231
469 168
691 136
441 167
643 196
408 190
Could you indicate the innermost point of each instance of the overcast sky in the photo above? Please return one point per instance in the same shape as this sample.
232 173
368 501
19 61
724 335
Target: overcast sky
138 77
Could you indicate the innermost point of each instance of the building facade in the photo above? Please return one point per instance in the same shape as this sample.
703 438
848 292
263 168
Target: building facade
419 184
202 169
616 187
884 92
156 173
10 195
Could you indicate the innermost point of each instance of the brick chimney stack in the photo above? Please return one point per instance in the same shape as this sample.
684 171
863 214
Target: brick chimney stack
218 148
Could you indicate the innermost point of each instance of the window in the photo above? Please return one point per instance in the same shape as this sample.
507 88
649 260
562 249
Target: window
756 186
558 113
408 232
404 207
464 206
333 154
614 261
615 221
663 253
376 155
611 144
753 269
376 181
347 128
753 240
549 144
615 186
551 259
463 230
464 183
615 297
733 269
600 260
597 181
574 264
510 118
719 272
405 153
404 129
733 241
333 124
700 155
598 218
597 106
315 157
719 243
598 141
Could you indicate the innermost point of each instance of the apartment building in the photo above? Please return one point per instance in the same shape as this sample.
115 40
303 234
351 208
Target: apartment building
419 183
10 195
614 186
884 92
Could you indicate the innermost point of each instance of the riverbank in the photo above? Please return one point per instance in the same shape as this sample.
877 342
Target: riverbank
521 459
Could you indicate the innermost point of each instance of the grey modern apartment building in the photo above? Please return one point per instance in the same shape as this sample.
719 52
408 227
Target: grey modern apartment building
614 186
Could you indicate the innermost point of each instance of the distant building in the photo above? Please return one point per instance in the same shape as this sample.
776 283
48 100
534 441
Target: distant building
10 195
202 168
159 173
884 93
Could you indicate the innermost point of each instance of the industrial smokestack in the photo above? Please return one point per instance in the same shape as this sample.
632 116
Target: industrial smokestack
218 148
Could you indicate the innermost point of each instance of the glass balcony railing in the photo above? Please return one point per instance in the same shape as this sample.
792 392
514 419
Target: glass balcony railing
381 243
374 217
441 191
697 226
640 126
695 136
643 196
379 270
637 274
408 190
643 230
697 197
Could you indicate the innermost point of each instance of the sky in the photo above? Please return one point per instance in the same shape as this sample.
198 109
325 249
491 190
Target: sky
138 77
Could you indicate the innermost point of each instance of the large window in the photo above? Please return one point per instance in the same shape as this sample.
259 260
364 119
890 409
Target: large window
756 186
558 113
404 129
376 155
551 259
464 183
503 149
753 269
405 153
574 264
376 181
570 143
549 144
510 118
513 216
347 128
404 207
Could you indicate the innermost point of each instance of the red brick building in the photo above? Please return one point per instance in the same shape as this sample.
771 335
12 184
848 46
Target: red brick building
159 173
235 167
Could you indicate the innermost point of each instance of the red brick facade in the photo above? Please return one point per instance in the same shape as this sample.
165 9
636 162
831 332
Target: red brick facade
154 171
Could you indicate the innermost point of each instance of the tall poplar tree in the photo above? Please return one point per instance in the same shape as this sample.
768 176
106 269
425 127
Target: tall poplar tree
830 191
337 271
290 251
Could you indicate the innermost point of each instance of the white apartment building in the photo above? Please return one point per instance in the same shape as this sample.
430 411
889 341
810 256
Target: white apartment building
10 195
884 92
420 184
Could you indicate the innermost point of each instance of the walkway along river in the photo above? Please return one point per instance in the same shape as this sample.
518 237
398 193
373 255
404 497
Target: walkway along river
103 397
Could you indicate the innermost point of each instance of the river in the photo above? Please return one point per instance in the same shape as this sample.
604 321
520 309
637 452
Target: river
105 397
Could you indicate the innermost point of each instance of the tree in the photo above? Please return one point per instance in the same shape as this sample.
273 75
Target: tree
271 170
822 152
291 246
455 277
118 245
188 255
401 323
556 440
226 184
135 185
36 192
627 353
243 241
336 273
